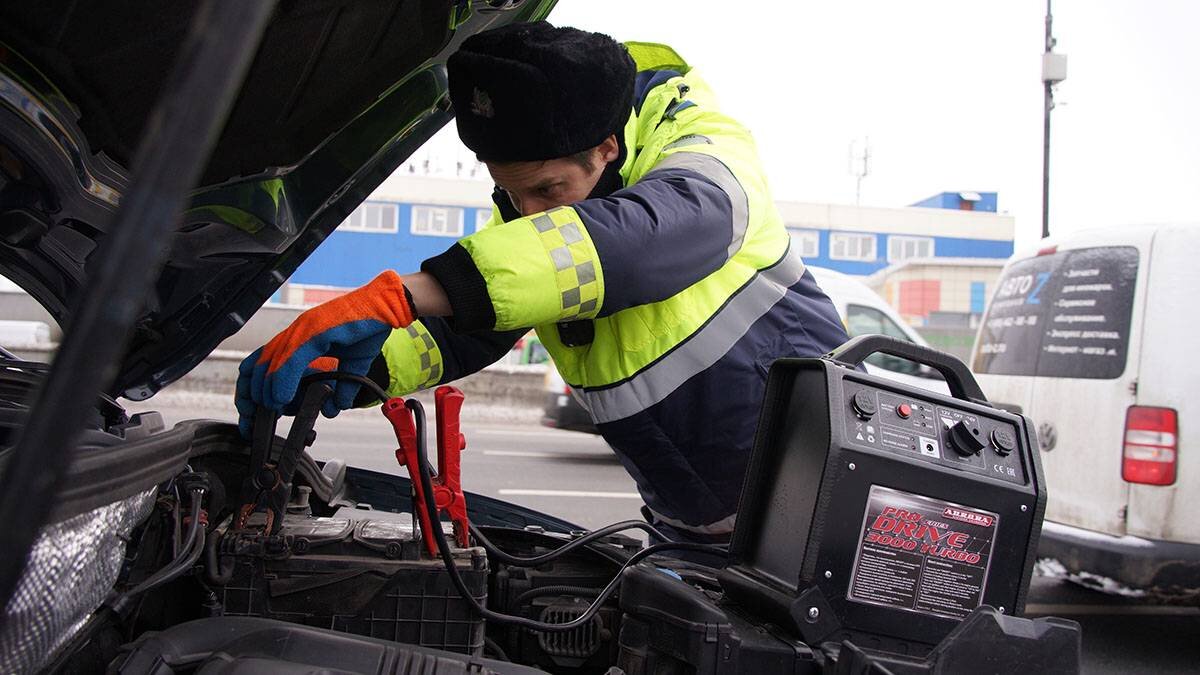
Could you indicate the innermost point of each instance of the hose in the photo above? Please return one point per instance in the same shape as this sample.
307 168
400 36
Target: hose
193 546
496 649
216 570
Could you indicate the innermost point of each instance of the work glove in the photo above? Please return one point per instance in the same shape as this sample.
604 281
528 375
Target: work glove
350 328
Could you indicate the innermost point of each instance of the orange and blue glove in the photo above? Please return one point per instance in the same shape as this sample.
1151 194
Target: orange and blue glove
350 329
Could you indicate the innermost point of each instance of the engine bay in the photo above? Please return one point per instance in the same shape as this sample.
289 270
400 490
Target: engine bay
193 550
347 556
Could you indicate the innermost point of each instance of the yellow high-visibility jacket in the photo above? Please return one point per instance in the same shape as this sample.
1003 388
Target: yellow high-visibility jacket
661 304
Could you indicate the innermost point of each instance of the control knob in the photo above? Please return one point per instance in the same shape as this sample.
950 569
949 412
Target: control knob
964 439
863 404
1004 441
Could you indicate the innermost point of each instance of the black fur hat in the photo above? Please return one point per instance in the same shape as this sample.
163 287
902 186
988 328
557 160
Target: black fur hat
530 91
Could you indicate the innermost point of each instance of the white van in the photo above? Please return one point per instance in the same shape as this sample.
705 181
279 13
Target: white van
1094 336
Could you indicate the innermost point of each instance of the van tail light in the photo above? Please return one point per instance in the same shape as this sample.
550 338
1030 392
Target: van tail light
1049 250
1151 448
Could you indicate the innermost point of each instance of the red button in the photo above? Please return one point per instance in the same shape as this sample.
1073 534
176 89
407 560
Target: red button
904 410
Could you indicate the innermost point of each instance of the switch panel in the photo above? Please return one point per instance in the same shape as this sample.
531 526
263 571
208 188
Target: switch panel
908 425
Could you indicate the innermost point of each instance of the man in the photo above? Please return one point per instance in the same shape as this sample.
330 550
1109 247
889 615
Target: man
633 228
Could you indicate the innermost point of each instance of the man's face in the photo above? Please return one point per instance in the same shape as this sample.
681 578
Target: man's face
534 187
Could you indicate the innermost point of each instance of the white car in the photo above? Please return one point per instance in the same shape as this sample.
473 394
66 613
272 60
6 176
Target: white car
862 311
1093 336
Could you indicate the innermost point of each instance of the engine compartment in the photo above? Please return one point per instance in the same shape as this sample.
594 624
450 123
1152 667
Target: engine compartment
347 558
176 572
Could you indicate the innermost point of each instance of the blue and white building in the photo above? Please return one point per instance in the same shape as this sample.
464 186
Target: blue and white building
407 219
935 262
944 252
862 240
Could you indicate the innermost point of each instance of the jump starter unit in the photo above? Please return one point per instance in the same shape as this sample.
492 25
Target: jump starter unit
884 513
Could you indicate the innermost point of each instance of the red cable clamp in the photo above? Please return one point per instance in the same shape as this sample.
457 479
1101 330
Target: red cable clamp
447 485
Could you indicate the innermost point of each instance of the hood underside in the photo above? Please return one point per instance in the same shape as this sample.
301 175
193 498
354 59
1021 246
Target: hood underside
340 93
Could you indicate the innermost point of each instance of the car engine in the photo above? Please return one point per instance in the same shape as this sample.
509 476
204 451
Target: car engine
346 556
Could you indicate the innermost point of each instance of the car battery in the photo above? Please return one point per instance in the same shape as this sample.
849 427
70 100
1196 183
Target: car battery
883 512
361 572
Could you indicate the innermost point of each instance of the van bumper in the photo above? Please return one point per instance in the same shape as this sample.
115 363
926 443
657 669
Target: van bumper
1161 567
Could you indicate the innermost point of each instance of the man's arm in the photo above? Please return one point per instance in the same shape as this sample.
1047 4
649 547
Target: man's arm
428 296
642 244
428 352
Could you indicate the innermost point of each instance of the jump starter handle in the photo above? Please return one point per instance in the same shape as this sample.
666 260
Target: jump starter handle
962 383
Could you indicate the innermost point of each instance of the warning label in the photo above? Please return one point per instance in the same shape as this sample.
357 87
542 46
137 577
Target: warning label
922 554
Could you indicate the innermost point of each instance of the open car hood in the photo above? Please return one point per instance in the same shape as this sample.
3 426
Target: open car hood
339 94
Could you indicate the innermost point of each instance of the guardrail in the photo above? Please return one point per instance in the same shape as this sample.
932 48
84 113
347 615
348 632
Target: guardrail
507 386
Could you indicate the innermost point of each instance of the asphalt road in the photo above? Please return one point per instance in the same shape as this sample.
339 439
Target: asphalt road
575 477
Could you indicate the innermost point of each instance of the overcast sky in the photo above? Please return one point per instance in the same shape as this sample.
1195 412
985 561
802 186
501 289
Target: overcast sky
949 94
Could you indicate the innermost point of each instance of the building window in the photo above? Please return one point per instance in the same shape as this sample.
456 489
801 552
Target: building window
905 248
437 221
371 218
807 243
849 246
482 215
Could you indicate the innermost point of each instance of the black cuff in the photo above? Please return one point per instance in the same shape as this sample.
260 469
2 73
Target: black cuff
380 374
412 306
455 270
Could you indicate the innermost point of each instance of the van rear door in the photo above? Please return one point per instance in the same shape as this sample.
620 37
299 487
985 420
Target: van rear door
1064 330
1169 373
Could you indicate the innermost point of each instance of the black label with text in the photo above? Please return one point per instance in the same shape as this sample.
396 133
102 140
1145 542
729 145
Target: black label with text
921 554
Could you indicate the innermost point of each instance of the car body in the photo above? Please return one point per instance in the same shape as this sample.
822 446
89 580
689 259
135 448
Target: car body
862 311
1092 334
123 538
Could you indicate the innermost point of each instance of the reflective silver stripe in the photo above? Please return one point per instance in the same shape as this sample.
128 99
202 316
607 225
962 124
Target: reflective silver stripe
704 348
715 170
722 526
690 139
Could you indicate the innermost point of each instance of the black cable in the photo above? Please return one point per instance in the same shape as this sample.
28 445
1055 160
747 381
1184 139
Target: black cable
503 556
350 377
492 549
452 569
444 549
540 591
534 561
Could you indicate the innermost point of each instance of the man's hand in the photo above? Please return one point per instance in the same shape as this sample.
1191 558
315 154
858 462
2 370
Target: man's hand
350 328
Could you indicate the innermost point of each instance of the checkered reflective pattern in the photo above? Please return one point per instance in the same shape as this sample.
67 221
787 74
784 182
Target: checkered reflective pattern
428 354
560 232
